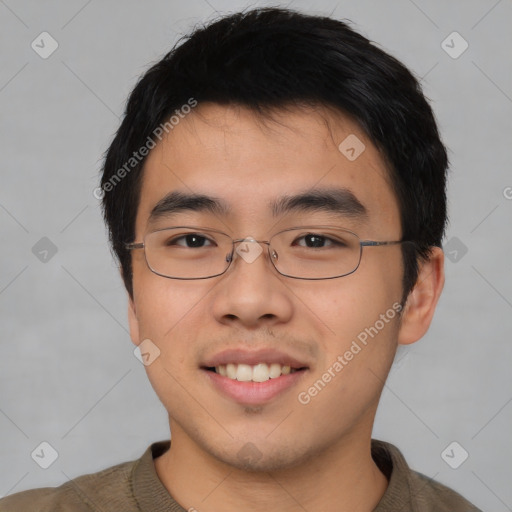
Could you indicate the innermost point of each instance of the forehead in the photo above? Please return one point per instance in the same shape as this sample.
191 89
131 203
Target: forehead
250 163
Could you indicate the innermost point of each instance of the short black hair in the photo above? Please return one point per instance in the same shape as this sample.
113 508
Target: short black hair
272 58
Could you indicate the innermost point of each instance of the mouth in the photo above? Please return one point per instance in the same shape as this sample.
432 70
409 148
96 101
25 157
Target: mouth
253 378
260 372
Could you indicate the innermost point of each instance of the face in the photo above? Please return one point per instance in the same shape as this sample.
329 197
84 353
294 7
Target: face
338 335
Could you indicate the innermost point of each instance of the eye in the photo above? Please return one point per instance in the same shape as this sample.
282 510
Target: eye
314 240
191 240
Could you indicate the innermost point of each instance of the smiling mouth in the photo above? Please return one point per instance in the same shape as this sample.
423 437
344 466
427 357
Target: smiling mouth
260 372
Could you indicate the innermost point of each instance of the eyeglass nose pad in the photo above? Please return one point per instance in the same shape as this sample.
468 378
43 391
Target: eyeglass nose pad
274 255
229 257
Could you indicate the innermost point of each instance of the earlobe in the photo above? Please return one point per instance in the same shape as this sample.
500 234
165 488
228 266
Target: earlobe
133 321
422 300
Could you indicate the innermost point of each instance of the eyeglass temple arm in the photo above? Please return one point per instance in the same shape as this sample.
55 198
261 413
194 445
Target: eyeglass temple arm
373 243
134 245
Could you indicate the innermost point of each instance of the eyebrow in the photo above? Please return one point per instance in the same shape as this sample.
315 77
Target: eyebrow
339 201
175 202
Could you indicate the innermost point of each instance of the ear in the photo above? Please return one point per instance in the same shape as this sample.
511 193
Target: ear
422 300
133 322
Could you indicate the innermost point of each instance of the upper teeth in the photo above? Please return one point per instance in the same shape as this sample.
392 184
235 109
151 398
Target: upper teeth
256 373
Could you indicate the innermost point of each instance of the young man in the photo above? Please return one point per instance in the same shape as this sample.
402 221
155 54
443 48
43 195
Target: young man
276 198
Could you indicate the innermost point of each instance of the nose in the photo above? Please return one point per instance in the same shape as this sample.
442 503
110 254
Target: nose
252 293
249 249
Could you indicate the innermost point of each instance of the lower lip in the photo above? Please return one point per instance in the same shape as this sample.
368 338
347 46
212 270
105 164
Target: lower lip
254 393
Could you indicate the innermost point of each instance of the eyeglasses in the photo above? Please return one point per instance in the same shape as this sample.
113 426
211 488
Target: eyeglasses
309 252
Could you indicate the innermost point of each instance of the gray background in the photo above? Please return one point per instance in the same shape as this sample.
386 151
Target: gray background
68 375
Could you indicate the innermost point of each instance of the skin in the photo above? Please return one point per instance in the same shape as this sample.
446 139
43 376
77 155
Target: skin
316 456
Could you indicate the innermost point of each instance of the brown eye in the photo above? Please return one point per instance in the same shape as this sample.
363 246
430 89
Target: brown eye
192 240
313 240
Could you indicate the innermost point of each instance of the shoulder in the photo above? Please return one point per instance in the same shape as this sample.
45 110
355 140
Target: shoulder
85 493
436 496
410 490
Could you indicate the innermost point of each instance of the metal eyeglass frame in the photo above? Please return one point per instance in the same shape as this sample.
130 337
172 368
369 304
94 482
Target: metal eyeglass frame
229 257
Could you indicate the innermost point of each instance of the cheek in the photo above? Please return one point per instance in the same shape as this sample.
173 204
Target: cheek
361 320
169 314
360 312
168 310
344 308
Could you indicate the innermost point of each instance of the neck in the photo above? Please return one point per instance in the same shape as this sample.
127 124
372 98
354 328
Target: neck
342 478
